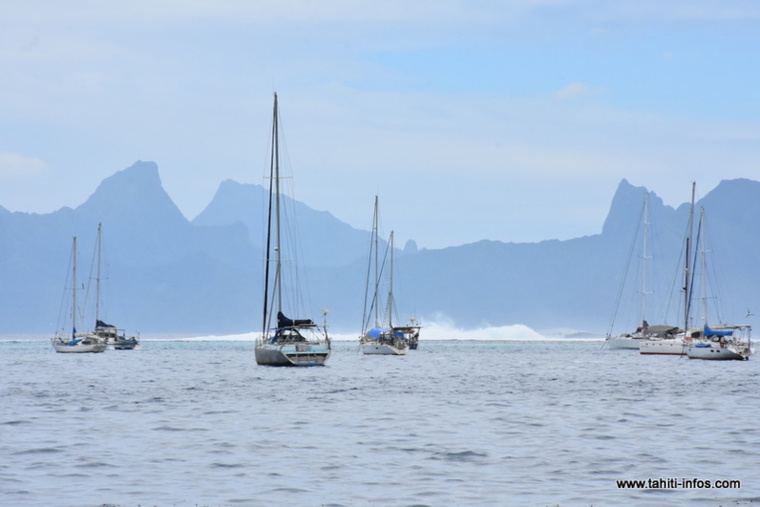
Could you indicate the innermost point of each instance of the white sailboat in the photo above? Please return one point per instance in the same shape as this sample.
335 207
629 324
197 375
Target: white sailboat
676 345
286 341
114 337
722 342
633 339
77 342
383 338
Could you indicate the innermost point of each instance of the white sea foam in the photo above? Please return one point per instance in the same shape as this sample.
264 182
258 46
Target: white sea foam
440 329
433 331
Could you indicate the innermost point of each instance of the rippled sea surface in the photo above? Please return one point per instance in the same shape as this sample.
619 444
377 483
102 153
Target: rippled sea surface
198 423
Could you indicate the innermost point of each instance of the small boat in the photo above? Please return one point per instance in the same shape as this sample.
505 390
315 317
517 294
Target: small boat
412 333
724 343
286 342
76 342
384 341
383 338
115 338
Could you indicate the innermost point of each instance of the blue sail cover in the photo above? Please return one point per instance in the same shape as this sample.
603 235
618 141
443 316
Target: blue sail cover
376 331
712 332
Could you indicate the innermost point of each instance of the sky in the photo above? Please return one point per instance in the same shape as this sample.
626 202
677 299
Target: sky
504 120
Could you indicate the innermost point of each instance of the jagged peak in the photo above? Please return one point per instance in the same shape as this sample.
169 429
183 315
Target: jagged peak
142 174
231 187
410 246
135 190
742 185
627 197
739 194
230 199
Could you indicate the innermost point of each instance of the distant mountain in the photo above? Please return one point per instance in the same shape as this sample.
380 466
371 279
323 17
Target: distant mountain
167 274
155 260
325 240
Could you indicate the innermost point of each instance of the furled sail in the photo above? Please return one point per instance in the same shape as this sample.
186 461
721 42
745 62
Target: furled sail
283 321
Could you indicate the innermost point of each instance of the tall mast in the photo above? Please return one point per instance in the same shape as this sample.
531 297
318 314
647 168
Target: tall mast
377 261
97 280
278 249
273 189
372 256
687 265
74 291
390 286
703 258
644 259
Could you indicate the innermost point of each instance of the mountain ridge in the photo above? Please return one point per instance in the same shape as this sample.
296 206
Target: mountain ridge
171 274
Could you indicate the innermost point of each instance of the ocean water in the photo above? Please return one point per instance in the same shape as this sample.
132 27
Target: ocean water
465 423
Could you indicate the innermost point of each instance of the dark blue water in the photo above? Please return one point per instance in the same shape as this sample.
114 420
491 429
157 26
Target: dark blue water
453 423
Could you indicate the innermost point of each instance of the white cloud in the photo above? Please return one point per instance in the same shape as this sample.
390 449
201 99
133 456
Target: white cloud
571 91
13 165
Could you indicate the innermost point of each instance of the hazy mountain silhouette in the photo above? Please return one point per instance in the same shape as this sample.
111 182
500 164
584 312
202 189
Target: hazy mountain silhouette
247 205
167 274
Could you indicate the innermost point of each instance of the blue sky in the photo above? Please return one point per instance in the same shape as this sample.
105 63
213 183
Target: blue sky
512 121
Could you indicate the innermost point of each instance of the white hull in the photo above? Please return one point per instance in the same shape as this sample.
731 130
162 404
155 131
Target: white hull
623 342
672 347
713 353
384 349
67 347
720 351
294 354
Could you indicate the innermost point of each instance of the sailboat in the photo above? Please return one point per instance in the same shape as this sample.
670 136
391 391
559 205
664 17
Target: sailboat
77 342
383 338
677 345
114 337
284 341
722 342
645 331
